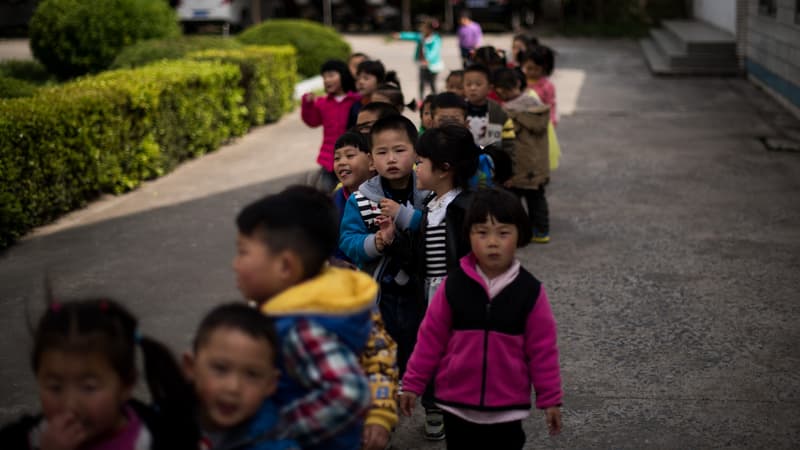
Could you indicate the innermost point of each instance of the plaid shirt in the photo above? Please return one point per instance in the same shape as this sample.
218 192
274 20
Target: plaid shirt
338 392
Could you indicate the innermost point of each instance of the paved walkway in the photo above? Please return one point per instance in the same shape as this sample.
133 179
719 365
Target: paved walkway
672 270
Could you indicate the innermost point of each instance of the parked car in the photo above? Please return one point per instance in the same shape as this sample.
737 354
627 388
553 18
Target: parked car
228 13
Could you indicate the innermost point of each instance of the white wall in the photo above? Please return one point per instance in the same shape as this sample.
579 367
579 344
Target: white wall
721 13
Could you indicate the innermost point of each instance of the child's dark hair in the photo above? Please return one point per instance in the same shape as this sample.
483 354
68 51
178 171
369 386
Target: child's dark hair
489 56
394 93
454 73
346 78
103 326
542 56
529 41
427 101
395 122
451 147
377 70
506 78
479 68
380 109
504 207
449 100
241 317
352 138
356 55
300 219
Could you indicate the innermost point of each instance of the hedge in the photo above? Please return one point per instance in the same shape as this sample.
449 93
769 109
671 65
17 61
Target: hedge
14 88
315 43
108 133
151 50
268 78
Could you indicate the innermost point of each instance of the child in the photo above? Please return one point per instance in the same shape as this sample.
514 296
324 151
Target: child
485 117
425 115
371 113
449 108
331 112
390 92
521 43
538 64
322 314
371 74
455 82
84 359
354 60
489 302
378 222
535 143
469 36
428 53
232 367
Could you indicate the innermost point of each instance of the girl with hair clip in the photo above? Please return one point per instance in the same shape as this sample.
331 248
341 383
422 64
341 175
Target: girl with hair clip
488 337
521 43
390 92
428 52
370 75
331 111
84 360
537 65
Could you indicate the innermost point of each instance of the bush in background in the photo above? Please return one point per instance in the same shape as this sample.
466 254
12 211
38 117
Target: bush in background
145 52
315 43
75 37
26 70
14 88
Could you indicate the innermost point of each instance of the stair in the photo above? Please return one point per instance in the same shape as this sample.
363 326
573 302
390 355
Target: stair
690 47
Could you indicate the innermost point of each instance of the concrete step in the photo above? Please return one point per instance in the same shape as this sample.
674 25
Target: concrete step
662 64
656 60
701 38
675 51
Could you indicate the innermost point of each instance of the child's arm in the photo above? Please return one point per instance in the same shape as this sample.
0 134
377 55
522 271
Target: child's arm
549 97
309 111
408 36
355 240
379 361
338 392
542 352
406 217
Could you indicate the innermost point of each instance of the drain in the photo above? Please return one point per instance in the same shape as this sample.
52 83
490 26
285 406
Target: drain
779 144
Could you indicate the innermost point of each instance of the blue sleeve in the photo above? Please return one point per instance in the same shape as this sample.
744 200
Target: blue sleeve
410 36
434 50
355 240
408 218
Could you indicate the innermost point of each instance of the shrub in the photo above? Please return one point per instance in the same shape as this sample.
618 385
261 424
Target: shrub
30 71
108 133
14 88
315 43
74 37
145 52
268 78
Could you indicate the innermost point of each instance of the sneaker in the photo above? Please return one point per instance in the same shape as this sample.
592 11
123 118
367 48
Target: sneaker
540 238
434 426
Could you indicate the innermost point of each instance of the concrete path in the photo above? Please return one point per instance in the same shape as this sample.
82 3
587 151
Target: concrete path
673 269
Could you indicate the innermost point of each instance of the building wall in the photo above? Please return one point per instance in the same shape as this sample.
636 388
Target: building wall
721 13
773 49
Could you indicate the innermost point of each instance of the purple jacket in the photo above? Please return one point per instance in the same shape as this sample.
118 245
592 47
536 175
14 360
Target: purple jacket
485 354
469 36
332 115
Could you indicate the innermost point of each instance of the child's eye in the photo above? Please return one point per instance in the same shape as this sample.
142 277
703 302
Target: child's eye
219 368
253 375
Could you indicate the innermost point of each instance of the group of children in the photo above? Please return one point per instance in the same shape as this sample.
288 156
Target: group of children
400 283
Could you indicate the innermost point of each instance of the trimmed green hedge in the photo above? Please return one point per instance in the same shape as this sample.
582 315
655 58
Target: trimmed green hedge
26 70
268 78
151 50
14 88
108 133
315 43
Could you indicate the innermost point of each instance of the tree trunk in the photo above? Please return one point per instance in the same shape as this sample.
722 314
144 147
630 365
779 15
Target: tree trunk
406 14
255 11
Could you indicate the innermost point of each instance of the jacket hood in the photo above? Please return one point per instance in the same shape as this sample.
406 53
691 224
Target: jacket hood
334 292
534 119
373 190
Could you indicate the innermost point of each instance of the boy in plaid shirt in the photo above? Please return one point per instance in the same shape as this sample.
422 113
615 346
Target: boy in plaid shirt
321 313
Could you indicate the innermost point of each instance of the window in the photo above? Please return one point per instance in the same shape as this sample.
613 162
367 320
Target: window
767 8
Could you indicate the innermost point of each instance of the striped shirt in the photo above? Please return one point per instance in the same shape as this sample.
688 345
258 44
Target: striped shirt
436 251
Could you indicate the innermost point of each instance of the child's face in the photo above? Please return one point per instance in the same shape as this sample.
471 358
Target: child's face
332 82
232 373
476 87
84 390
494 244
352 167
365 120
455 84
427 117
353 64
507 94
393 156
427 176
366 83
516 47
532 70
452 116
260 272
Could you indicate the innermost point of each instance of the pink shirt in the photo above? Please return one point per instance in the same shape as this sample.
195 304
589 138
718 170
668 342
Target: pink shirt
547 94
133 437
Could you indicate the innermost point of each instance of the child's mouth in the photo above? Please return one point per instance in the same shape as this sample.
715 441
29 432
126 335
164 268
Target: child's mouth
227 409
344 173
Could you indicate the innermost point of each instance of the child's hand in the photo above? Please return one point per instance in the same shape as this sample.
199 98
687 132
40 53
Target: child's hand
375 437
309 97
63 432
389 207
395 36
387 229
552 416
407 402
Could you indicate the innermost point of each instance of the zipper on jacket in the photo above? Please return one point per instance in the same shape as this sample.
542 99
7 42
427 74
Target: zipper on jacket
485 351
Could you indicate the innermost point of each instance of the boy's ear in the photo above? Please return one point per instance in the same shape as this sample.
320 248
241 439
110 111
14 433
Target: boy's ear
291 266
187 364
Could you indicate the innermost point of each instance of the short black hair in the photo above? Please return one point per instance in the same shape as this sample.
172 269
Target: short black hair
479 68
504 207
465 13
357 55
449 100
452 145
506 78
542 56
395 122
381 109
489 56
394 93
352 138
300 219
238 316
345 77
455 73
428 100
372 67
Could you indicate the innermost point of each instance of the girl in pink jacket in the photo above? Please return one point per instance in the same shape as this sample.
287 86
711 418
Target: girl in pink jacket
330 111
488 336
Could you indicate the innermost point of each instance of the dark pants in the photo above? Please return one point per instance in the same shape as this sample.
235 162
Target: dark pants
466 59
402 317
462 434
426 77
537 208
